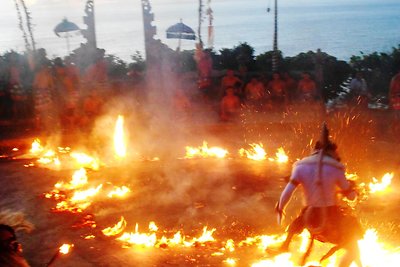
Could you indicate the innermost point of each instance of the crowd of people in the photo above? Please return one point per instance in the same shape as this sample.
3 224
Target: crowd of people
62 92
53 91
263 94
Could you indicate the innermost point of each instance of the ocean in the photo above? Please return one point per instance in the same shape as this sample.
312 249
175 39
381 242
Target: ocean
340 28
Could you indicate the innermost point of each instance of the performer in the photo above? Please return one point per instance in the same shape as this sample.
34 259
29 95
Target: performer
320 175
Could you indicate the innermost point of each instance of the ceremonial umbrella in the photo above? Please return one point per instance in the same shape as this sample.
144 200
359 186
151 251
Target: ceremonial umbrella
180 31
64 28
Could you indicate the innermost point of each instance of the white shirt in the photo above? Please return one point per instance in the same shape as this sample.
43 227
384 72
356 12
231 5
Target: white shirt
316 194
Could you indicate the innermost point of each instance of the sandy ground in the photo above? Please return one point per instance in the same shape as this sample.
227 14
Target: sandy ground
234 196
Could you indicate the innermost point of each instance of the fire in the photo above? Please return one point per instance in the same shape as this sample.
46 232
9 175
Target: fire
205 152
119 192
282 260
119 138
256 152
177 239
136 238
374 253
80 196
49 157
79 179
281 156
377 186
230 245
230 261
153 227
85 160
205 237
65 248
36 147
116 229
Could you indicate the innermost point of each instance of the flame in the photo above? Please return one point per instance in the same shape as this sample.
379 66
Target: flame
177 239
230 245
205 152
305 239
49 157
230 261
65 248
80 196
205 237
377 186
116 229
281 156
119 192
148 240
36 147
85 160
282 260
119 138
79 179
256 152
374 253
153 227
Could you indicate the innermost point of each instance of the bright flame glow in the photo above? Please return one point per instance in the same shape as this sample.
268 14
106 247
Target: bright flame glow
148 240
281 156
36 147
282 260
80 196
116 229
119 192
205 152
119 138
376 254
230 245
230 261
85 160
256 152
377 186
65 248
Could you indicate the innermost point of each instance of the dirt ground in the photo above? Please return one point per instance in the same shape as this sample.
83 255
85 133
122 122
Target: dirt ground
235 196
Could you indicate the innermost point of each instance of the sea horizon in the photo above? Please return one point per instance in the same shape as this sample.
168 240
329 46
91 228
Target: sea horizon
340 28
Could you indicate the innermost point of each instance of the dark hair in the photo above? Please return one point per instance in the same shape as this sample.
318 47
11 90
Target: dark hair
7 228
328 146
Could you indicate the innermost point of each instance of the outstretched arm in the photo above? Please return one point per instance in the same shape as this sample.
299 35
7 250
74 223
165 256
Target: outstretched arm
286 195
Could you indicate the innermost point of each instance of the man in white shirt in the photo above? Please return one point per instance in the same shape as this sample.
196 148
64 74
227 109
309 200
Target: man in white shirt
320 176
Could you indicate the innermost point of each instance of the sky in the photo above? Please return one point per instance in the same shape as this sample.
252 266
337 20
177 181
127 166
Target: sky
122 18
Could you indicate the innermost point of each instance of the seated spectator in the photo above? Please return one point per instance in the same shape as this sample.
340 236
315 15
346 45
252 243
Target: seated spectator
230 105
92 108
291 87
307 88
230 80
359 90
277 90
254 93
394 91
